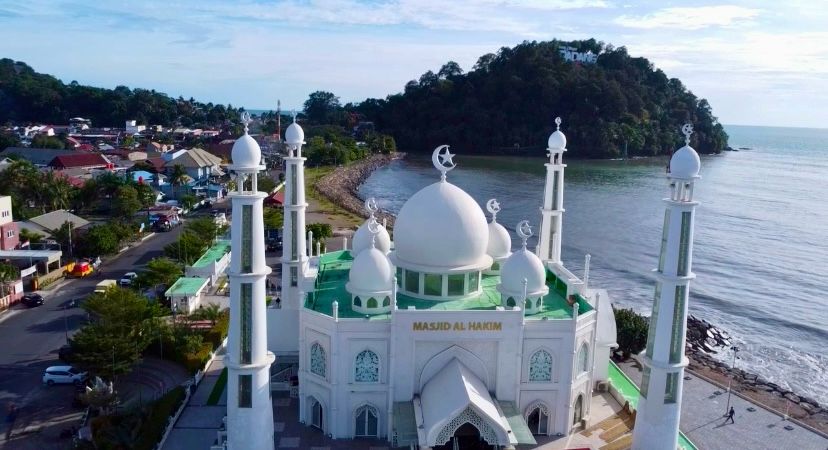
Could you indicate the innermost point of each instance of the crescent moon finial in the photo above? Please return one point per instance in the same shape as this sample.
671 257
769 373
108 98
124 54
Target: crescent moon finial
440 158
687 129
373 228
524 230
245 119
371 206
558 122
493 207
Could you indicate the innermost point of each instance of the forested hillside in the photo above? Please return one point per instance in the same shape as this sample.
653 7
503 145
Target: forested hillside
28 96
509 100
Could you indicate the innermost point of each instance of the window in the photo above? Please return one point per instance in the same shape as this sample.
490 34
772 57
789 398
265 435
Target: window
684 245
366 367
366 424
664 236
540 366
538 420
294 233
399 277
474 280
528 303
357 301
246 322
653 321
671 389
510 302
412 281
245 391
372 303
318 364
583 358
432 284
645 382
293 185
9 233
246 239
386 301
456 284
294 276
677 333
555 188
316 413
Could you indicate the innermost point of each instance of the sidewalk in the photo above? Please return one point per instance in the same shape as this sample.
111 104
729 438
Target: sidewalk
702 420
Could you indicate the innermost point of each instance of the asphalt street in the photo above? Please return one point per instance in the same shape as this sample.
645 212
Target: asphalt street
29 342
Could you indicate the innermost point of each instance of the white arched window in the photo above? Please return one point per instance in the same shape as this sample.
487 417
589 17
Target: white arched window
540 366
316 414
366 367
366 422
538 419
583 358
318 363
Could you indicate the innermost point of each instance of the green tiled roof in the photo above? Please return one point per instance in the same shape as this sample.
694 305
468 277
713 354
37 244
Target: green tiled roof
186 286
333 274
213 254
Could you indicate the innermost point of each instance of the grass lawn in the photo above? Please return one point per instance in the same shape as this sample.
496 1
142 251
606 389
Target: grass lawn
218 389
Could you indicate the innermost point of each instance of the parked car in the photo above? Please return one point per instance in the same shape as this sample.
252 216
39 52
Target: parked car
81 269
274 245
63 375
32 300
127 279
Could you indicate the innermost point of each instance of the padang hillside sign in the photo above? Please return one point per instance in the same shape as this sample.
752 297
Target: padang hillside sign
457 326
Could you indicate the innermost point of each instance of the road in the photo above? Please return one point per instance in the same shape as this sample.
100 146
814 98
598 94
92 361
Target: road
30 339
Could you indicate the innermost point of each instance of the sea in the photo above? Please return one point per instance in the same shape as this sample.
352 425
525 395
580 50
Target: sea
761 236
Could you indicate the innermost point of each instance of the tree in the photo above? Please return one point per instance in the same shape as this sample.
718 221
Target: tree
159 272
99 240
320 230
123 325
8 140
8 274
30 236
188 201
178 176
265 183
188 248
273 218
450 69
322 107
631 331
146 195
206 229
211 312
43 141
126 202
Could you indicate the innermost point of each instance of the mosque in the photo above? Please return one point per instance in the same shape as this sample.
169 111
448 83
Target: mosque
448 335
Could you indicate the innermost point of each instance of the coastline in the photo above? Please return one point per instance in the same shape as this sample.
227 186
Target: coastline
339 186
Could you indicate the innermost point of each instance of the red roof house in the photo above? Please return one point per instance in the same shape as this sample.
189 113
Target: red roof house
275 199
80 161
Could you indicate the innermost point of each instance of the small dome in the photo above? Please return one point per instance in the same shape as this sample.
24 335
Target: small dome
557 141
500 243
246 152
371 271
523 264
362 239
441 227
685 163
294 134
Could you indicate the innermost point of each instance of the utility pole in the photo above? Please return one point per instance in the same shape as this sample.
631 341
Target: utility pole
730 381
65 325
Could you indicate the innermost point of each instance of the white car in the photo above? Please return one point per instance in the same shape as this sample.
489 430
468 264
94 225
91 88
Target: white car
127 279
63 375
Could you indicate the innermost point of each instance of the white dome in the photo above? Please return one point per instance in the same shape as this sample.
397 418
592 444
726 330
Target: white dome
523 264
685 163
362 239
246 152
500 243
441 227
294 134
557 140
371 271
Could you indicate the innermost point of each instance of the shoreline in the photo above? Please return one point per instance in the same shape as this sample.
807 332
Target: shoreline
340 187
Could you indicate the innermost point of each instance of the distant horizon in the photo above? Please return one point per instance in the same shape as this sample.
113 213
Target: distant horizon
754 63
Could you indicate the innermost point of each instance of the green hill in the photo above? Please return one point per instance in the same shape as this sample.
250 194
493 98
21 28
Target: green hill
509 100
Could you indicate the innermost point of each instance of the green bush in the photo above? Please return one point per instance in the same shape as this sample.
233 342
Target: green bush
156 419
140 430
194 362
631 331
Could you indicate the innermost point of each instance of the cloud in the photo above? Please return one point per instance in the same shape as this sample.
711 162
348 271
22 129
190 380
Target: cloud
694 18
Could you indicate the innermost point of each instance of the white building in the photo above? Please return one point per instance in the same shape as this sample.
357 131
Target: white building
132 127
444 336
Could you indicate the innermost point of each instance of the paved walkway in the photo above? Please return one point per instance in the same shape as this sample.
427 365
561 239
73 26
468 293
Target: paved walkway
702 410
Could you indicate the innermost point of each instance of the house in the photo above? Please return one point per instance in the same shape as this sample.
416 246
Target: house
45 223
9 234
156 147
199 164
213 263
36 156
186 294
276 199
80 161
132 127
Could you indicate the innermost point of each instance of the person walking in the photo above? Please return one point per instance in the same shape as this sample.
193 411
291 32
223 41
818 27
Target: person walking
730 415
11 417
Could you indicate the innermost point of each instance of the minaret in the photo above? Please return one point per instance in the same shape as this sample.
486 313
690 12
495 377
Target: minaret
549 245
294 256
249 408
657 419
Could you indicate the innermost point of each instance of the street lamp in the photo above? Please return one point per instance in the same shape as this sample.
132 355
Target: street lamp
174 310
730 381
69 223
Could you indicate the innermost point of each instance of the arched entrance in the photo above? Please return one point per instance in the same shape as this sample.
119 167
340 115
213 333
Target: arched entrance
317 413
467 437
538 420
578 415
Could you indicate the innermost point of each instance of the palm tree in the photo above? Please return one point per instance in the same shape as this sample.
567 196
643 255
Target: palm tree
211 312
178 176
8 273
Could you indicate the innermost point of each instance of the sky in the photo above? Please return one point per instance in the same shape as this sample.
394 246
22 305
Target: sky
757 63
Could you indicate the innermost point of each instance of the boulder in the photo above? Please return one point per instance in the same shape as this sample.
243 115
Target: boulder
792 397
